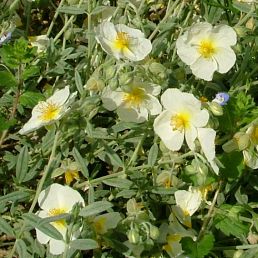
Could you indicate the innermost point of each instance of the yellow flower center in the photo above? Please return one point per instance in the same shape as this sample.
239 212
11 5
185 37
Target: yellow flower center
135 97
70 175
180 121
207 48
56 212
49 111
122 40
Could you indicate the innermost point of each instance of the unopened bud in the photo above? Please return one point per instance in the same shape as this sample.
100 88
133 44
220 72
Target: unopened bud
215 108
154 232
133 236
242 139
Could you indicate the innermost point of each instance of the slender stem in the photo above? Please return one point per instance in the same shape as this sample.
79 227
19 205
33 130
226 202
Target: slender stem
169 11
209 215
54 18
28 15
136 151
67 24
39 188
89 31
246 17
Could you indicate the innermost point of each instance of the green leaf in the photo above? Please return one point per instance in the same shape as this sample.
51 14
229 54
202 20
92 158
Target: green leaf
78 82
6 228
37 222
81 161
14 196
7 79
30 71
99 9
95 208
114 158
153 154
198 249
6 124
22 164
72 10
21 248
118 182
31 98
229 223
84 244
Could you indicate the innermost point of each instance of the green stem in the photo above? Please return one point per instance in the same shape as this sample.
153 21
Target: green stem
210 212
246 17
39 189
167 15
89 31
54 18
136 151
67 24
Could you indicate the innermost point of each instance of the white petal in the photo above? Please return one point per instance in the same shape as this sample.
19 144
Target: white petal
187 53
106 30
190 136
200 119
188 200
225 58
60 96
32 125
112 99
206 137
176 101
173 140
198 31
134 33
56 247
59 196
224 35
153 89
42 237
204 68
139 49
153 105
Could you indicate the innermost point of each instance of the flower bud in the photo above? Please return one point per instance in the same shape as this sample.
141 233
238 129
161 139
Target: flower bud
252 238
215 108
133 236
154 232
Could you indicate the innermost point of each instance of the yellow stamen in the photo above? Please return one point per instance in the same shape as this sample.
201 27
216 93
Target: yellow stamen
70 175
122 41
56 212
207 48
180 121
135 97
49 111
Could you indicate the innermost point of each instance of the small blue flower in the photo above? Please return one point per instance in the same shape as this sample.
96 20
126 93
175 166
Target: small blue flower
5 38
221 98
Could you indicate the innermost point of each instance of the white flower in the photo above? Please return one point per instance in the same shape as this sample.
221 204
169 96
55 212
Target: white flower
56 200
207 49
135 103
184 118
180 119
189 201
49 111
122 41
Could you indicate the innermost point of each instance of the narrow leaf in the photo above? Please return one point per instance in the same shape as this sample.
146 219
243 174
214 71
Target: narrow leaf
78 82
153 154
95 208
36 222
81 161
118 182
6 228
14 196
84 244
114 158
21 248
22 164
